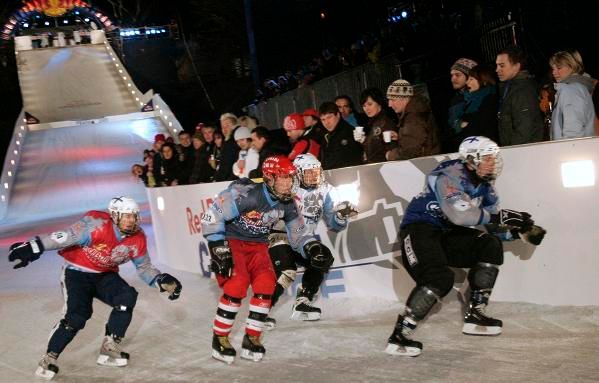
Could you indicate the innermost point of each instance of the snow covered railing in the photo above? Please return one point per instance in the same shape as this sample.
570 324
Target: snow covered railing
11 162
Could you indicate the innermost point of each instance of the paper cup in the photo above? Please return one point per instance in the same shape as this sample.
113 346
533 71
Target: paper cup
387 136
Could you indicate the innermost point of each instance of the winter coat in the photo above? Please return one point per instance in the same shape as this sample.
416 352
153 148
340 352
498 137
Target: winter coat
340 149
374 145
229 156
480 114
520 118
418 136
573 112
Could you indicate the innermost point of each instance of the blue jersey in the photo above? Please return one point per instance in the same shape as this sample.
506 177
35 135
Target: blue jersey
246 211
453 196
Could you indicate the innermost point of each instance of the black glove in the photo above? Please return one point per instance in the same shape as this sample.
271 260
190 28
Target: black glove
170 284
533 234
25 252
345 210
221 258
507 217
319 255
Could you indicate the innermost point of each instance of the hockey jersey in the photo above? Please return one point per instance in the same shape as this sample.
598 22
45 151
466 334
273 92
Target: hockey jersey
246 211
453 196
95 244
317 203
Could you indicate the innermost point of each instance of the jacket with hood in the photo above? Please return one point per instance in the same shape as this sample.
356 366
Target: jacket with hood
573 114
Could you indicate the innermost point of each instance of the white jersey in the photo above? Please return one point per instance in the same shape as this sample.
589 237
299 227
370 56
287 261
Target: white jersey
313 204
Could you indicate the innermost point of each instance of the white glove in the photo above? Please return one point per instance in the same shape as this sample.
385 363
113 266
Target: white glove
359 136
346 210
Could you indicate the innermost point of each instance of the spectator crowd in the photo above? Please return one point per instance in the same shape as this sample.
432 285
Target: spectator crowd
504 105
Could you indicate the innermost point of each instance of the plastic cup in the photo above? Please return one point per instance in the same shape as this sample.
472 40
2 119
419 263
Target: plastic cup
359 129
387 136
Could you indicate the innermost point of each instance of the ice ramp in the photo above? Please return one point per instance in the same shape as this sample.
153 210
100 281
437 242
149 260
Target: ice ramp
72 83
67 171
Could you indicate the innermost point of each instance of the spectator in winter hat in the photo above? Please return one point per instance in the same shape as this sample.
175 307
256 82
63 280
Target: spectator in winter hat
248 156
296 131
418 135
459 71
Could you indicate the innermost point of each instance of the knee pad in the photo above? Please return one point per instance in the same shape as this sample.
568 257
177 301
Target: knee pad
282 258
492 250
482 276
126 299
286 278
439 279
421 301
73 323
321 257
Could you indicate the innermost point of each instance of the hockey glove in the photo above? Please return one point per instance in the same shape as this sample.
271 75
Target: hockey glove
221 258
170 284
345 210
507 217
25 252
319 255
533 234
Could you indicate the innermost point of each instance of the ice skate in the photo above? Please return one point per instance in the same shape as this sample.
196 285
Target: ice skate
251 348
47 367
111 353
270 323
222 349
399 343
303 310
477 323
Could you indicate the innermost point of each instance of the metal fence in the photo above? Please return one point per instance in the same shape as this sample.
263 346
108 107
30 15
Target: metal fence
497 35
352 82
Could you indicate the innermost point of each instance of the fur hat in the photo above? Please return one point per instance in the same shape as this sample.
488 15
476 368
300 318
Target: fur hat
241 133
400 88
464 65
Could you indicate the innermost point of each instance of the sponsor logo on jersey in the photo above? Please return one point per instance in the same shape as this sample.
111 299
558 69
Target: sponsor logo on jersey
59 237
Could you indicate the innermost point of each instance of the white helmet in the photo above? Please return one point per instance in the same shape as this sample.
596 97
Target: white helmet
305 162
474 148
124 205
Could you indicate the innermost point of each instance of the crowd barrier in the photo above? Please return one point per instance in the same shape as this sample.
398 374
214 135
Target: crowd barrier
564 270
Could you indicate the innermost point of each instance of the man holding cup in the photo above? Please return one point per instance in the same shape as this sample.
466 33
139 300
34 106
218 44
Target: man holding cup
418 136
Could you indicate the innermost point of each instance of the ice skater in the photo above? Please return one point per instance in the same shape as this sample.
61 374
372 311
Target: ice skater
237 226
436 233
93 248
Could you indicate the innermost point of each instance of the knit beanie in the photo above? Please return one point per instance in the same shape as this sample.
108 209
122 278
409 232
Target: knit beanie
400 88
464 65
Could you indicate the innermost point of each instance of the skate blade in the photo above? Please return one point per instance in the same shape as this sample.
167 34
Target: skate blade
228 359
44 374
255 356
269 326
105 360
300 315
474 329
393 349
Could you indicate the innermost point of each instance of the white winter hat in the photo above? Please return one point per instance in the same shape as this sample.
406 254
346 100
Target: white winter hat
241 133
400 88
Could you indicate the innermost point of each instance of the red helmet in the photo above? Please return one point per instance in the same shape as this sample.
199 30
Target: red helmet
294 121
279 166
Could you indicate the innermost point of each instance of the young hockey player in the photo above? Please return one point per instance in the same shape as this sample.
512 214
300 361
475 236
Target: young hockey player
237 226
315 202
436 233
93 249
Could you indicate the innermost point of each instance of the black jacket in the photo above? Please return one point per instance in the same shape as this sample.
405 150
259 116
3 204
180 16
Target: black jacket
340 149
